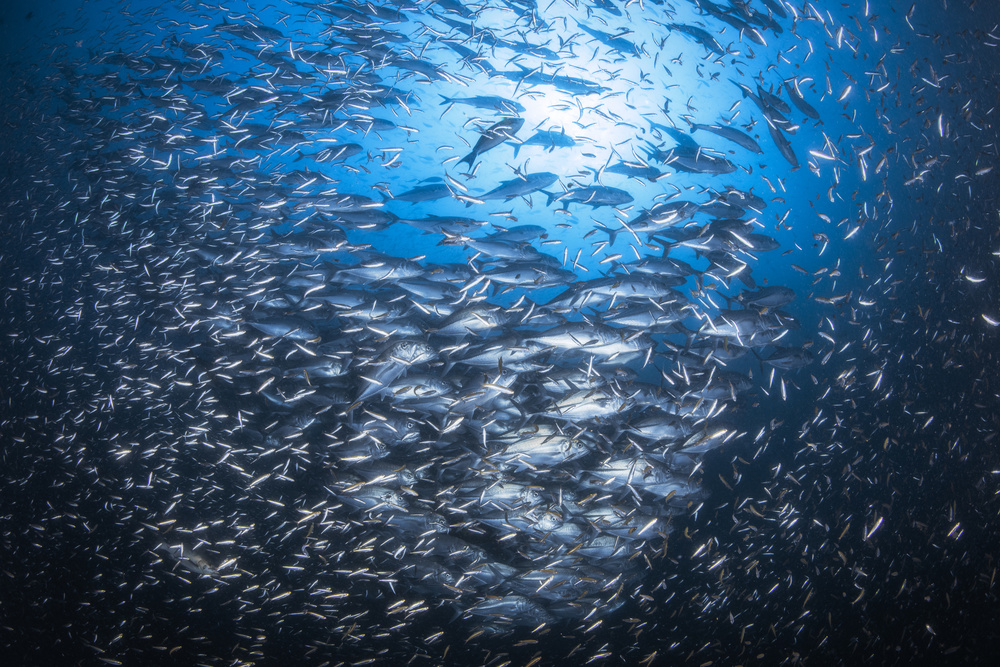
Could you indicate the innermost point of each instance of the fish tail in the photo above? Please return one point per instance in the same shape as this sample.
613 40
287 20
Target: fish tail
612 233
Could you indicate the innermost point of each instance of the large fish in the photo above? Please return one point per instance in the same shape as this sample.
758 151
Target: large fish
730 133
593 196
452 438
520 187
492 137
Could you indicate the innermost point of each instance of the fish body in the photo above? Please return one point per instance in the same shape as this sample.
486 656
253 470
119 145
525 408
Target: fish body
495 135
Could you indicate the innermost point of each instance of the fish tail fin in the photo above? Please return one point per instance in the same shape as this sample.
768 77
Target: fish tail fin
689 338
551 197
684 329
612 233
444 100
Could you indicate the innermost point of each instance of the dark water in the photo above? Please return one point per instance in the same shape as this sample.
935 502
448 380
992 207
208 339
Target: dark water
285 382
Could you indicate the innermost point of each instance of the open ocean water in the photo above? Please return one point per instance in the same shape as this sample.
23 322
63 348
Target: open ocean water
499 333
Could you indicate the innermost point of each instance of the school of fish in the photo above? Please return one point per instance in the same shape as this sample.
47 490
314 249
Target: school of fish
416 325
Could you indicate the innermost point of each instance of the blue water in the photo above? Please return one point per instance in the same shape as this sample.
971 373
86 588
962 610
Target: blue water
852 516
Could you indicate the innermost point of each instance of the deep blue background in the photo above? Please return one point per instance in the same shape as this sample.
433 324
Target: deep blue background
802 580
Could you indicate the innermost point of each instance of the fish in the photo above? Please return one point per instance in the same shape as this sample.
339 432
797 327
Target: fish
593 196
731 134
189 559
489 102
771 296
773 101
492 137
784 146
688 156
561 82
616 43
519 187
636 170
725 14
699 35
281 377
445 225
547 139
792 88
772 114
787 358
422 193
661 216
